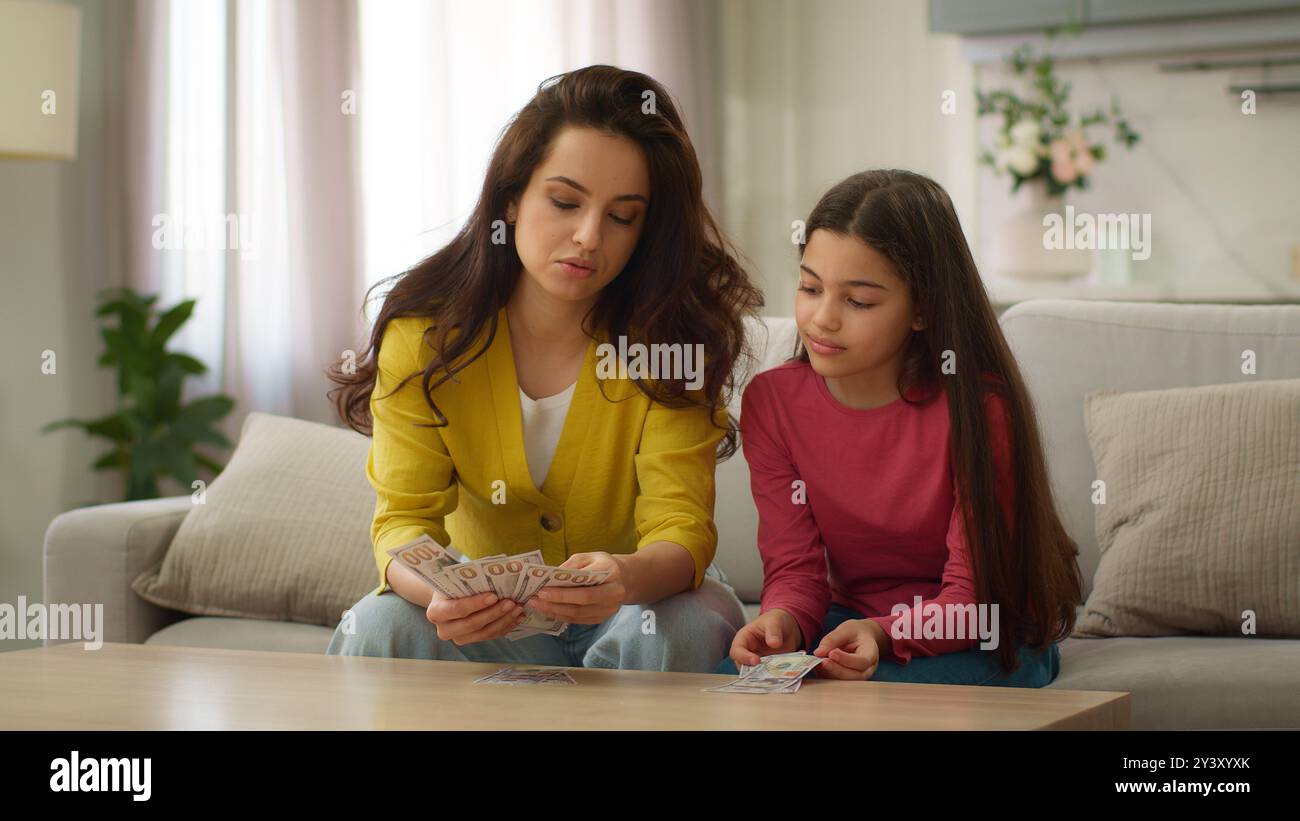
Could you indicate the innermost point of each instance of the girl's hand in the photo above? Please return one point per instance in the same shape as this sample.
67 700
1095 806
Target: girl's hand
852 650
774 631
473 618
585 605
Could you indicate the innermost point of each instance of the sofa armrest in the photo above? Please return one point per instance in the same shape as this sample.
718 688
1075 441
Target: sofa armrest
92 554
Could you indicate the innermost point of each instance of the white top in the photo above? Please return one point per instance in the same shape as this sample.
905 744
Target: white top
543 423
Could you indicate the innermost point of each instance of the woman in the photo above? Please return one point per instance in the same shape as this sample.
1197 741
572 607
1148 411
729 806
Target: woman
494 434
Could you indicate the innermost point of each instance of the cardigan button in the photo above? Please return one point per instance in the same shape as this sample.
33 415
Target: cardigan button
551 522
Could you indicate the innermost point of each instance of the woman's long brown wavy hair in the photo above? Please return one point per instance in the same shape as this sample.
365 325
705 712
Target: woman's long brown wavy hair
682 284
1030 571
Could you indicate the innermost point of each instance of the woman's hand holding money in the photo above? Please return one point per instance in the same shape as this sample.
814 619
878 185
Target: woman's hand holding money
473 618
585 605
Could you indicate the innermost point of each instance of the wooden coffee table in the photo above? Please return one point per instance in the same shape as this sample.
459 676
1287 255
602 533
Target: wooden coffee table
156 687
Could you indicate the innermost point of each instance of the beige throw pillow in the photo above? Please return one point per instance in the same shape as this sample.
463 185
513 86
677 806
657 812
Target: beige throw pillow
1201 520
284 533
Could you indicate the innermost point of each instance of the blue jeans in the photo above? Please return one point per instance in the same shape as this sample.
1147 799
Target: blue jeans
686 633
974 666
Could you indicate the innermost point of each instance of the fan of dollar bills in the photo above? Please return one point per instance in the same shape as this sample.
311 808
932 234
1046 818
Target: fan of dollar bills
518 577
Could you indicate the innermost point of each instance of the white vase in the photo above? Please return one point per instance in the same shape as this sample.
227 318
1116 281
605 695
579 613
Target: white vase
1018 248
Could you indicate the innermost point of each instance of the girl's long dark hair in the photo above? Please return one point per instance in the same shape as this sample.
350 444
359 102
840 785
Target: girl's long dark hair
1030 569
682 283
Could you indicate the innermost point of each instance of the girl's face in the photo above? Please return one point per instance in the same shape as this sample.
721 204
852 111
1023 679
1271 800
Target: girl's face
579 219
853 311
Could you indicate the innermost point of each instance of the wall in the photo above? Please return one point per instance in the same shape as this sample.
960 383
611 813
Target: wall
53 259
1220 185
815 91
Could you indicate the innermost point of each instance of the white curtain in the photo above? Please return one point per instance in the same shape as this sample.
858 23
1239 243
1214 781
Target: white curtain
295 300
441 79
303 151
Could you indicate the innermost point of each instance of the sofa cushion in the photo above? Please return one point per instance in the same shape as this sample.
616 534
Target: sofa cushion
1201 522
1067 348
284 531
244 634
1191 682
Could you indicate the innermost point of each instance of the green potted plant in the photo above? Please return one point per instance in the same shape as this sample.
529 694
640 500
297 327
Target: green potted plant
152 434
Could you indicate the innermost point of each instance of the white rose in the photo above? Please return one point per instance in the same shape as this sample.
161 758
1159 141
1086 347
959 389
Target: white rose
1025 133
1020 159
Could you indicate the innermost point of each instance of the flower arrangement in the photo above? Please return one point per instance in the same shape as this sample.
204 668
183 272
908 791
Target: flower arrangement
1037 139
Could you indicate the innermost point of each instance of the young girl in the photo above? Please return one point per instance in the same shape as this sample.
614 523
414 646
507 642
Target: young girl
906 524
493 431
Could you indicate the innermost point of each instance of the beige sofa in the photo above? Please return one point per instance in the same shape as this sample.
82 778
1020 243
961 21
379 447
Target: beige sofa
1066 349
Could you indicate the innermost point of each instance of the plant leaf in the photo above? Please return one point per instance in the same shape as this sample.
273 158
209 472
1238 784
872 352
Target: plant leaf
201 433
212 466
206 410
188 363
179 463
170 376
65 423
112 427
115 458
171 321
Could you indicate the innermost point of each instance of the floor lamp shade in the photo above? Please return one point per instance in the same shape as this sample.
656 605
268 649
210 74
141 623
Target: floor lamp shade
39 56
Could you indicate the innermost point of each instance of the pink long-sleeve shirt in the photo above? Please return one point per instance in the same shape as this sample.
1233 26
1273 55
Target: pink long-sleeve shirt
879 521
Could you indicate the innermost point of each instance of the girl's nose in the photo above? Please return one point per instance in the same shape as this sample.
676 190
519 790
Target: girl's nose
827 316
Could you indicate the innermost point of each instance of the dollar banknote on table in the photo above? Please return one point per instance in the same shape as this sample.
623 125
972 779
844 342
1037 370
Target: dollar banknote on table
518 577
527 675
776 674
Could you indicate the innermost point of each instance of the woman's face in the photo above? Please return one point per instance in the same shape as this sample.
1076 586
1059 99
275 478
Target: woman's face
851 298
579 219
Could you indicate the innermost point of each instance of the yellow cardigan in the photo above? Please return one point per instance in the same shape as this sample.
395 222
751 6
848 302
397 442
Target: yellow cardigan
625 473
